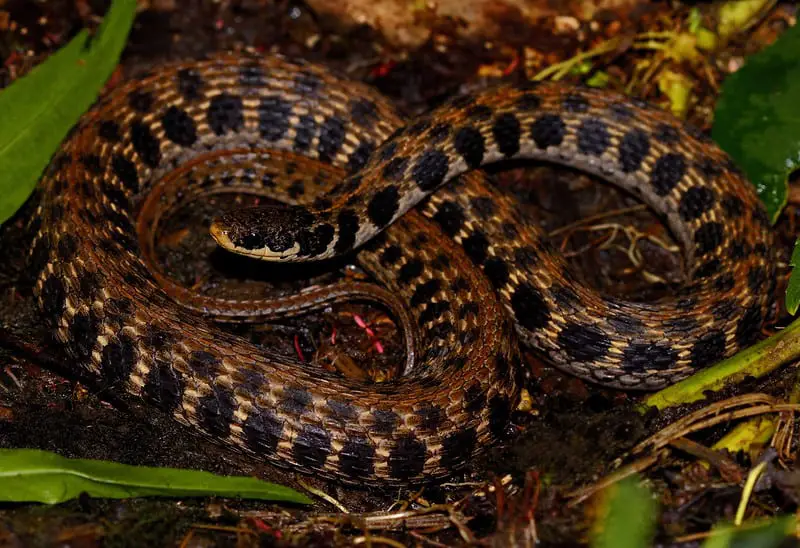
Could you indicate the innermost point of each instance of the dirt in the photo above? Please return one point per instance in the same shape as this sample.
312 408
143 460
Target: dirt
569 439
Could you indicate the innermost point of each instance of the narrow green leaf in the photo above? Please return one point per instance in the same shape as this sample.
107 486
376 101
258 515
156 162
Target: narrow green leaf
630 517
720 537
757 120
38 110
793 289
770 534
29 475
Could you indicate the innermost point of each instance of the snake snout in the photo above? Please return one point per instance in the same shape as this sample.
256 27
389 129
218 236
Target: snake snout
265 232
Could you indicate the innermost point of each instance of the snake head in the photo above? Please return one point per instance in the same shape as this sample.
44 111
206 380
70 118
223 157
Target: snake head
271 233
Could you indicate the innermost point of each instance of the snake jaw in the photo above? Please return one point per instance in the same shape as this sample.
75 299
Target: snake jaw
269 233
219 231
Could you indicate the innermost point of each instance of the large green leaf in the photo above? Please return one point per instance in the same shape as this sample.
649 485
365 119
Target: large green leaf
29 475
38 110
757 120
630 516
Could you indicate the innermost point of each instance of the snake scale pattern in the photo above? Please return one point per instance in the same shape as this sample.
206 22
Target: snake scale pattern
474 276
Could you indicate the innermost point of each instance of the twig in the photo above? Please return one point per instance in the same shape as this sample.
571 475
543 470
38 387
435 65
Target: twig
725 417
324 496
643 463
729 470
756 361
369 539
597 217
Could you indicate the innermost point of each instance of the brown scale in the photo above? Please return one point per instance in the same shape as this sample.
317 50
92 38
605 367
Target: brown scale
712 210
122 325
119 324
271 174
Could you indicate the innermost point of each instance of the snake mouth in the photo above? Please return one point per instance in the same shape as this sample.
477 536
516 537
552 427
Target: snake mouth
220 235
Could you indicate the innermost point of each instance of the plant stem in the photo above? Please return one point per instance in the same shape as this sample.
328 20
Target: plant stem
758 360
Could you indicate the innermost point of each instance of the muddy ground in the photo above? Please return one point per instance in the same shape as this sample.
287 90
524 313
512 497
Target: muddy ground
570 437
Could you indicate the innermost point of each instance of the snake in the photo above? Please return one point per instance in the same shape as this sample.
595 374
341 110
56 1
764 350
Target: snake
408 200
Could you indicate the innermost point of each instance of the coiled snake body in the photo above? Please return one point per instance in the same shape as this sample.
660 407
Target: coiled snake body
467 267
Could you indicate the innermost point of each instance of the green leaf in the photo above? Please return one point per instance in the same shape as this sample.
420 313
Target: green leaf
29 475
38 110
793 289
757 120
764 535
630 517
734 17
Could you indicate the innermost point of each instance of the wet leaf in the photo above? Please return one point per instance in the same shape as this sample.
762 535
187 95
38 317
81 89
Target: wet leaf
793 289
29 475
39 109
629 519
757 120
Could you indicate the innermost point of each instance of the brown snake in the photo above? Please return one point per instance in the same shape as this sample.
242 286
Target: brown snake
118 323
